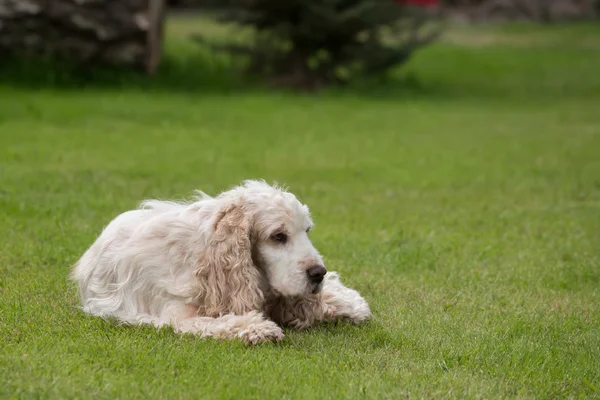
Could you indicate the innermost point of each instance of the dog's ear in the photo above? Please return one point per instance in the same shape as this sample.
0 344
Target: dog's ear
229 278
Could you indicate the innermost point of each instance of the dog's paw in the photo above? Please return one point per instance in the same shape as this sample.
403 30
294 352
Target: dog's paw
266 331
360 313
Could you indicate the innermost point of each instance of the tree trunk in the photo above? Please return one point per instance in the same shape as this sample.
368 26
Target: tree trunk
111 32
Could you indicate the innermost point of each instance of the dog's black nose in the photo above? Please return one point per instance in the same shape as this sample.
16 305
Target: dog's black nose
316 273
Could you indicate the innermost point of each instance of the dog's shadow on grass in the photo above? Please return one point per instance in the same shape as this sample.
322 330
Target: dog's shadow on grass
367 336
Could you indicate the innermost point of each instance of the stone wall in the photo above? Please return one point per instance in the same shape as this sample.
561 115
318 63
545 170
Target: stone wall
114 32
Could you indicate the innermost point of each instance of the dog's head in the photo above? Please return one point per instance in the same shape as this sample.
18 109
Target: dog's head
260 243
281 246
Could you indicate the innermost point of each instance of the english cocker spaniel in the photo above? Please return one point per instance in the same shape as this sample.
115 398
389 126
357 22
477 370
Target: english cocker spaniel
236 266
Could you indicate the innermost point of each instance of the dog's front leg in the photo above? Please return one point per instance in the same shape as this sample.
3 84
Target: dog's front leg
251 328
343 302
334 302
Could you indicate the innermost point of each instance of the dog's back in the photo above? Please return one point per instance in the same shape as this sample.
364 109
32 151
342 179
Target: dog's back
106 272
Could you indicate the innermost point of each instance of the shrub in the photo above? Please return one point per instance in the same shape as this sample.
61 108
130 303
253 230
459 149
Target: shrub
310 43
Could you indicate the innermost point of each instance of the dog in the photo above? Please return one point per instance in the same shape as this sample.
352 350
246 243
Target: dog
236 266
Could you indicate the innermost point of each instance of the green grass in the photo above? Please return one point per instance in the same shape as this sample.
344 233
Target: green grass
461 198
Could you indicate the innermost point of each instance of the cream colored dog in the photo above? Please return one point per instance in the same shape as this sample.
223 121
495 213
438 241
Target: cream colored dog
235 266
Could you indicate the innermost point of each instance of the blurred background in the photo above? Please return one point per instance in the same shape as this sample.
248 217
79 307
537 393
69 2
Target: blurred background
302 44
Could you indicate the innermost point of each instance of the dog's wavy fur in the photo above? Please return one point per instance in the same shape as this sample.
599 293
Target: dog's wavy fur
212 267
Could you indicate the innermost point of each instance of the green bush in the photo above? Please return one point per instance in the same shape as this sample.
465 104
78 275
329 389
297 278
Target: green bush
310 43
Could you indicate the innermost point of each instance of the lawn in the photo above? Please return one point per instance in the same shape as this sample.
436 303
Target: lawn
462 199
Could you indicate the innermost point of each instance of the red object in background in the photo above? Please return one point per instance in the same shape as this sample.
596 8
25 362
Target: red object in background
418 3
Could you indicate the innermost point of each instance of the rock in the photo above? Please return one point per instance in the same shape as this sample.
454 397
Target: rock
113 32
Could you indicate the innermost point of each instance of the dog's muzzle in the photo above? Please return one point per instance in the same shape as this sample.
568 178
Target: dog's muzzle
316 274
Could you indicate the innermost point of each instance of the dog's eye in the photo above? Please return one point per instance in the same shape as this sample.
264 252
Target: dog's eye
307 229
280 237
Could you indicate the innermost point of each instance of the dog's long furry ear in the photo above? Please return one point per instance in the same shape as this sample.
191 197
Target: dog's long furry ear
226 271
